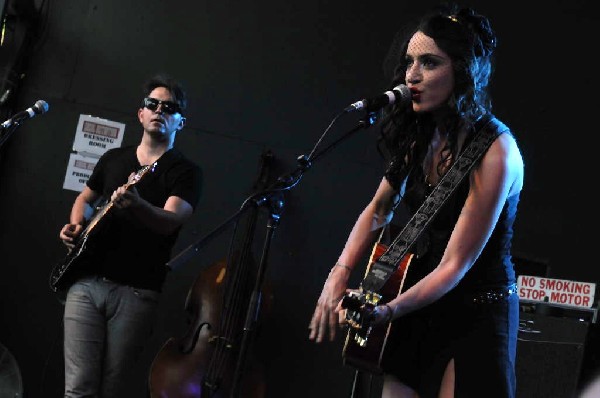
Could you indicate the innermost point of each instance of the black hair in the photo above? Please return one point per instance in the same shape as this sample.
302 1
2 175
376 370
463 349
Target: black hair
168 82
468 39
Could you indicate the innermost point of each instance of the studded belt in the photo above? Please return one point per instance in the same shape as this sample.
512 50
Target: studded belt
494 295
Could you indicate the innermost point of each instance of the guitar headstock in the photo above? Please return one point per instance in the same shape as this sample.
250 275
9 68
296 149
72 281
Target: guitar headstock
359 306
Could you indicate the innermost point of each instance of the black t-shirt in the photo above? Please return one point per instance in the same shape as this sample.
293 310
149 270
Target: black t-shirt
122 248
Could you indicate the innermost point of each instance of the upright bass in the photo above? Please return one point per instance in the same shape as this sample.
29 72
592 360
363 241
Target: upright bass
204 361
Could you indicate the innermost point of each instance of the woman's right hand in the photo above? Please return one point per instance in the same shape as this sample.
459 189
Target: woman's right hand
328 311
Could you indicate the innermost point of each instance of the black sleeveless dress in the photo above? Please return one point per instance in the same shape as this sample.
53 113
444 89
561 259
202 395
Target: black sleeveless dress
476 323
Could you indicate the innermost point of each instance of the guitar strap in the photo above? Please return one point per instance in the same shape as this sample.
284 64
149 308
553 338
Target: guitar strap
488 128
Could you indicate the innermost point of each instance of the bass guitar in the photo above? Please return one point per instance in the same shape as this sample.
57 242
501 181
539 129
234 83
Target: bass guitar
365 344
62 273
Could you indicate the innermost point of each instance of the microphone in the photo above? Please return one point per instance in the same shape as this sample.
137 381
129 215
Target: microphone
38 108
400 94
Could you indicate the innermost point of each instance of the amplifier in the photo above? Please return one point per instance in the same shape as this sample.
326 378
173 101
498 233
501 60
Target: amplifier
550 353
560 311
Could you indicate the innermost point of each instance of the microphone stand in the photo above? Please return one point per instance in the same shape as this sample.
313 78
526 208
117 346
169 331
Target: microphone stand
273 197
5 132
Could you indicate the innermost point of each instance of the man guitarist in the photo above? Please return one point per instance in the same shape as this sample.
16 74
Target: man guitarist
112 287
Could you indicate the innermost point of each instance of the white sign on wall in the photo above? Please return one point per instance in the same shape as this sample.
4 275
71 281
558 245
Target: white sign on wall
79 171
93 137
556 291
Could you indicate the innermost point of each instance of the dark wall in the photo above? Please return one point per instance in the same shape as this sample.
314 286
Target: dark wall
273 75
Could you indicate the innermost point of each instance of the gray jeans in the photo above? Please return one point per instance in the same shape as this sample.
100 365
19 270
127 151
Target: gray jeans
105 328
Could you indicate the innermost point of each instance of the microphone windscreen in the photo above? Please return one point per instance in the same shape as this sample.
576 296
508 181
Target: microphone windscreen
40 107
404 94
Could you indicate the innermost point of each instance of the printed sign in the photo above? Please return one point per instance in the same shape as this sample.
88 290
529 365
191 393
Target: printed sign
94 135
79 171
556 291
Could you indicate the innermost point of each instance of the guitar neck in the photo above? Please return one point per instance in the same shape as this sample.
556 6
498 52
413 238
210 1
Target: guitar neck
98 215
101 212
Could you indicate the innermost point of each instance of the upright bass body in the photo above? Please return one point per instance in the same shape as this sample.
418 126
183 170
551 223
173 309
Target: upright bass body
211 360
202 363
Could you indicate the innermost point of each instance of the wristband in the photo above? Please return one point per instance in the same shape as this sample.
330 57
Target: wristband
343 266
391 313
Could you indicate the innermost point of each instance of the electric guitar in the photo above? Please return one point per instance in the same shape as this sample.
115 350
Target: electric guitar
365 344
63 272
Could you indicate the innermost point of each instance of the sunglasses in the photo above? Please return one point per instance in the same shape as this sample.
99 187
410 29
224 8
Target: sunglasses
167 106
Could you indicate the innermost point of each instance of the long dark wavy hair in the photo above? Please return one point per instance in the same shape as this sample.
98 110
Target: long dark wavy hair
468 39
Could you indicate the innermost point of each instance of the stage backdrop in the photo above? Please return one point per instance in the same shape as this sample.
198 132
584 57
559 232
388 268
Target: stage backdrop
272 75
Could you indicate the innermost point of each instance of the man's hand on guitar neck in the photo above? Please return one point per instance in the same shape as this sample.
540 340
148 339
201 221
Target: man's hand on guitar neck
126 195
